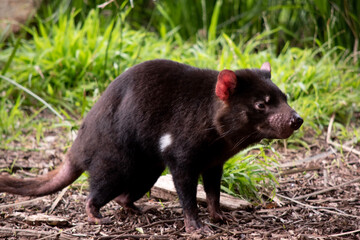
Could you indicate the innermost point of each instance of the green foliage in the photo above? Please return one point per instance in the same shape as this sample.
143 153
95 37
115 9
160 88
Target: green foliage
16 122
246 173
302 23
10 117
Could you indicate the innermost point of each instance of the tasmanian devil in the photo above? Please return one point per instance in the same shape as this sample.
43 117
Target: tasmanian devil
162 113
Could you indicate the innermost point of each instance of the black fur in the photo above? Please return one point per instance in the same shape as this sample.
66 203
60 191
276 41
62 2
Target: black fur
119 141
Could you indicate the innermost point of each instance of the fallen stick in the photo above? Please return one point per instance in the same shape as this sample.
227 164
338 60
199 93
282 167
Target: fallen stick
134 236
164 189
344 147
315 208
61 232
216 236
24 232
221 228
280 209
335 144
115 235
344 233
50 220
24 203
297 202
328 134
57 200
162 222
306 160
297 170
327 189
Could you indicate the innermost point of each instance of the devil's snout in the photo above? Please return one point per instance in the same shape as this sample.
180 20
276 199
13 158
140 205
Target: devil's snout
296 121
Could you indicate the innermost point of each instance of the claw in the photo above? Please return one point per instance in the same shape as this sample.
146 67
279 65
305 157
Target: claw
192 225
99 221
94 216
220 216
124 201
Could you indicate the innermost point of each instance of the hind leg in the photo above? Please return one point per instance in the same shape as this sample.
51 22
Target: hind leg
105 184
124 178
93 213
139 185
97 199
127 203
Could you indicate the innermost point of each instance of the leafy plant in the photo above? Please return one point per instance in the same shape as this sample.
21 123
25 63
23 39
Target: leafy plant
246 173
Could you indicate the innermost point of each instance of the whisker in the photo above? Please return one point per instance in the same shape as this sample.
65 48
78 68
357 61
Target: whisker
242 140
210 128
222 135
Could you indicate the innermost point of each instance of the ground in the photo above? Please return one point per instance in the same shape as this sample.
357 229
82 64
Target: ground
331 211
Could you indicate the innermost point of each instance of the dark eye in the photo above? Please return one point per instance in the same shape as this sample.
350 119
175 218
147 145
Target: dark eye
260 106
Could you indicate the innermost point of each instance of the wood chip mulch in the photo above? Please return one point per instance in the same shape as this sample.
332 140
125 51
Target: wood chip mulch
318 197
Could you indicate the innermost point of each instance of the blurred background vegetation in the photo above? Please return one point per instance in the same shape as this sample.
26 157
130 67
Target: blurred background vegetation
62 59
307 23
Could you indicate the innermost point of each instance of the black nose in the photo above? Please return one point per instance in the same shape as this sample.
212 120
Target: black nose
296 121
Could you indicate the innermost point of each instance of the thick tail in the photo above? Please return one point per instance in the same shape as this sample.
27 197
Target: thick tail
42 185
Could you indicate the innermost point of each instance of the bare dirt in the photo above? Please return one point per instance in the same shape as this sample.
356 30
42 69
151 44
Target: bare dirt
331 211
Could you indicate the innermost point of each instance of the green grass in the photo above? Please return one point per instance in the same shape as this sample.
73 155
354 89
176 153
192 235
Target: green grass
69 62
246 175
303 23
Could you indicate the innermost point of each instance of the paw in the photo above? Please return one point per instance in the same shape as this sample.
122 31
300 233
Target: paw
197 227
219 216
99 221
132 209
192 225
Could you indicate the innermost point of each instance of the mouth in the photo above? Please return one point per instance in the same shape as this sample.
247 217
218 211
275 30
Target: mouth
272 133
285 134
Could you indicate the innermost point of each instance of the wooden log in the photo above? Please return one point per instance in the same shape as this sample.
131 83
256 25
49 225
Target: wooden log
164 189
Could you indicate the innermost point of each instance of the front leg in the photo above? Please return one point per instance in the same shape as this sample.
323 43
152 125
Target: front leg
185 181
212 180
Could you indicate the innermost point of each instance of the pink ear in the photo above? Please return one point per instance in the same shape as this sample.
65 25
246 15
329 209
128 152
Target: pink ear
266 66
226 84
